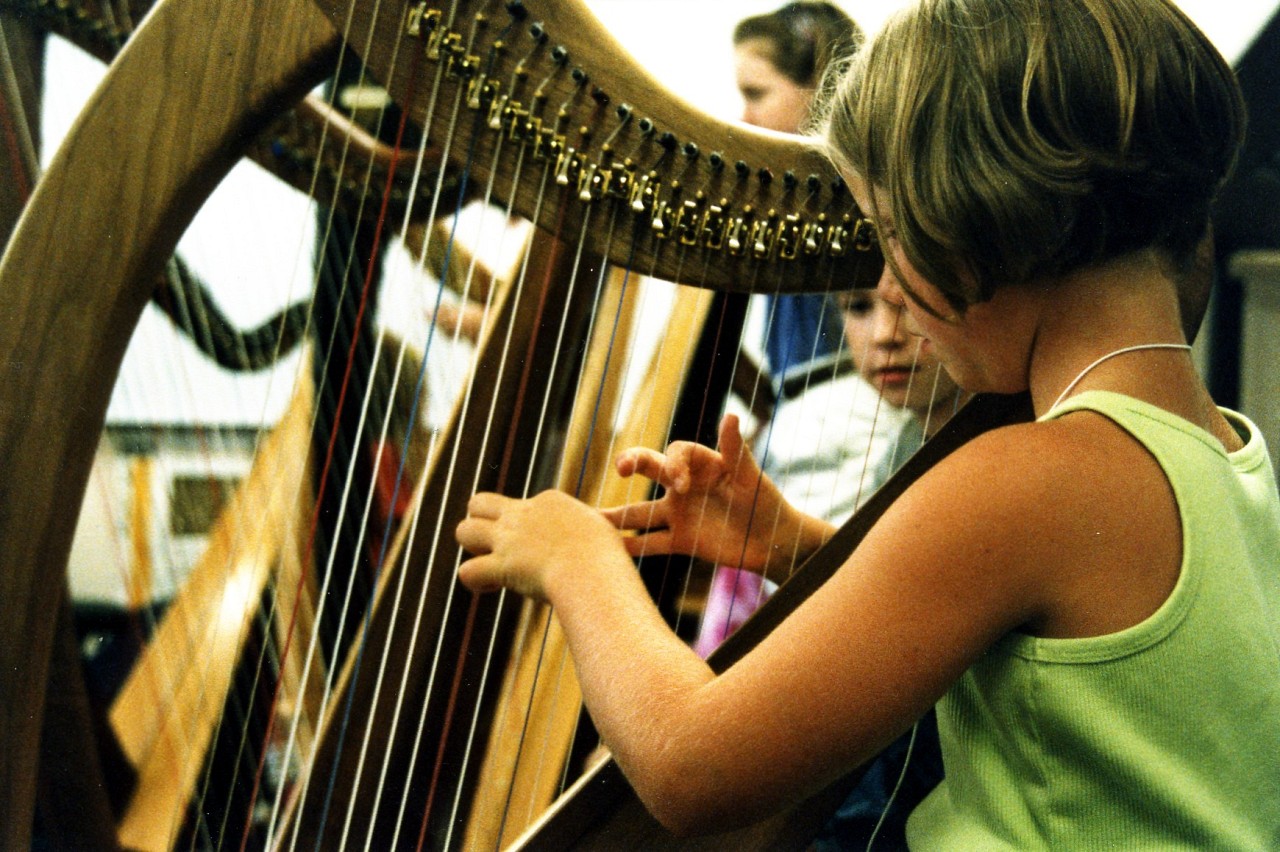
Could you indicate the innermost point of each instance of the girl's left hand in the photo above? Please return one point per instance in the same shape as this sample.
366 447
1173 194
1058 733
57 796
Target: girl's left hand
518 544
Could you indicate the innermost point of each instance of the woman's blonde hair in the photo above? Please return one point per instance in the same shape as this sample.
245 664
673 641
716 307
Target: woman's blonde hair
1016 139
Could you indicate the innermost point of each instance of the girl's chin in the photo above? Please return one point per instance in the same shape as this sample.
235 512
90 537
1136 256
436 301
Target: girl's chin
894 396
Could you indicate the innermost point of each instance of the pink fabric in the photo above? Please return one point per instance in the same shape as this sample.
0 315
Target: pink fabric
733 596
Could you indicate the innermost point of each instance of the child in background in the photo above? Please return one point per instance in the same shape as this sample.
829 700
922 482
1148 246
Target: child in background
844 438
807 440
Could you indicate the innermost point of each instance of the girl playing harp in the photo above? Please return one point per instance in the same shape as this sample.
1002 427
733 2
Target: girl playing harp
1093 598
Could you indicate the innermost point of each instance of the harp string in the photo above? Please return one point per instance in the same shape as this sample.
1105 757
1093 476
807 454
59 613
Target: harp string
24 163
191 322
452 702
197 330
270 653
361 643
266 650
691 342
770 426
451 706
386 536
501 486
541 419
451 472
282 653
802 400
269 650
414 633
531 689
592 415
345 607
440 520
594 408
444 273
757 593
399 476
382 777
561 663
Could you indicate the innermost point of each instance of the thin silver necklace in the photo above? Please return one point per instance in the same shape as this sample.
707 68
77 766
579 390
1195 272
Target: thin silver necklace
1086 370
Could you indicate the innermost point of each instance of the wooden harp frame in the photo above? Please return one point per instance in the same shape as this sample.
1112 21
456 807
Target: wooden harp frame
530 94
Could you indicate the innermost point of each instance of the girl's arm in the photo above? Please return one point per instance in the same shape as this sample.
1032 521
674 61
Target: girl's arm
924 595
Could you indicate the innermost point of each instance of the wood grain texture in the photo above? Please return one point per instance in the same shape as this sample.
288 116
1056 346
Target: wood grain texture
76 276
497 98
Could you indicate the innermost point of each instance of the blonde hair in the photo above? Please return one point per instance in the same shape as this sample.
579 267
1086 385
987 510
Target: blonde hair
1017 139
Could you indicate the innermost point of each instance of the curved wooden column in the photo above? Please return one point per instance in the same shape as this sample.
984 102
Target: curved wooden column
76 275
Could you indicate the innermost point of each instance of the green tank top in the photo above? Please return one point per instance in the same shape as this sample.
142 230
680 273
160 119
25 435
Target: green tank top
1165 735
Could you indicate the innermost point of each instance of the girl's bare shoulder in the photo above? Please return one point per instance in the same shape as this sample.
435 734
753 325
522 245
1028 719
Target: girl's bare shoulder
1057 511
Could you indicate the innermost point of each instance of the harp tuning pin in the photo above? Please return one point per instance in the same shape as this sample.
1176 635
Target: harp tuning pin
646 126
624 112
668 140
600 96
742 168
789 179
538 31
814 183
516 9
690 150
559 55
764 176
734 236
812 236
716 160
414 25
579 76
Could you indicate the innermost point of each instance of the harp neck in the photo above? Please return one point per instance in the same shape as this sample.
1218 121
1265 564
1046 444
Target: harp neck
541 90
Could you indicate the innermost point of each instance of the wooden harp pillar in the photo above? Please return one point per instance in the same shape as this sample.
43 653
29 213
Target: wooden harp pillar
688 198
62 340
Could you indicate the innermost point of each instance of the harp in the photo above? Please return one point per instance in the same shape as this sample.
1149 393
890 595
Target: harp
528 98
